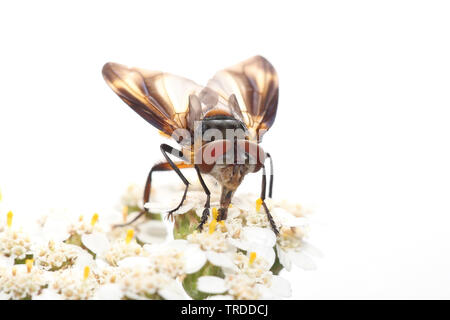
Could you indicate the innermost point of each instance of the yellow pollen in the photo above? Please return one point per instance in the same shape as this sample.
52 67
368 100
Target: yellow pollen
9 218
212 226
14 271
258 204
129 237
80 218
222 223
125 213
29 263
252 257
87 270
94 219
214 213
230 206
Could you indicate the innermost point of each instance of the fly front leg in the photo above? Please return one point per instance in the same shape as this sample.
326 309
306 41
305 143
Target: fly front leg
205 213
164 166
166 149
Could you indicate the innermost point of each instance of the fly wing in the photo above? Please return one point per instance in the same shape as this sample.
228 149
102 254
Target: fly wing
160 98
254 82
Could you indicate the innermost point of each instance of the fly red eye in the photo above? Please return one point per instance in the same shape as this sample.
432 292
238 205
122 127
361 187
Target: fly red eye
210 153
255 152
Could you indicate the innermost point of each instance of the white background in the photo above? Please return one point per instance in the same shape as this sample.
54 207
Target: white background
361 136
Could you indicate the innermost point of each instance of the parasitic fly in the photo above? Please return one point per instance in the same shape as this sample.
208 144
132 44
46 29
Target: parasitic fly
218 127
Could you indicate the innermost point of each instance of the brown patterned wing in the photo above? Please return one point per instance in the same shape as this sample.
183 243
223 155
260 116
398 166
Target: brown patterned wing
255 85
160 98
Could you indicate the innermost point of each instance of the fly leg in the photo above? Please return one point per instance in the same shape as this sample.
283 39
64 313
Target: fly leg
263 197
164 166
271 174
205 213
166 149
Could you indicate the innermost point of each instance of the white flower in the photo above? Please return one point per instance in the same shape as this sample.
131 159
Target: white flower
112 252
258 240
239 287
295 209
176 257
287 219
120 249
14 243
142 282
241 249
17 282
292 248
217 249
254 266
85 226
73 284
56 255
243 287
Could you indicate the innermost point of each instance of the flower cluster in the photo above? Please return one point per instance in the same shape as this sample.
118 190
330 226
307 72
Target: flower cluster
87 257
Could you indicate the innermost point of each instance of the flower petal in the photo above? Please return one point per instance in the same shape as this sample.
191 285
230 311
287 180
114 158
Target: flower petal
173 291
96 242
110 291
287 219
260 236
284 258
84 259
211 284
267 253
195 259
221 260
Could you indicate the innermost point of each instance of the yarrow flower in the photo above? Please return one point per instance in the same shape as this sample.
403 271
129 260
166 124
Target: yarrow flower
141 282
86 257
74 284
22 282
292 248
56 255
14 243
